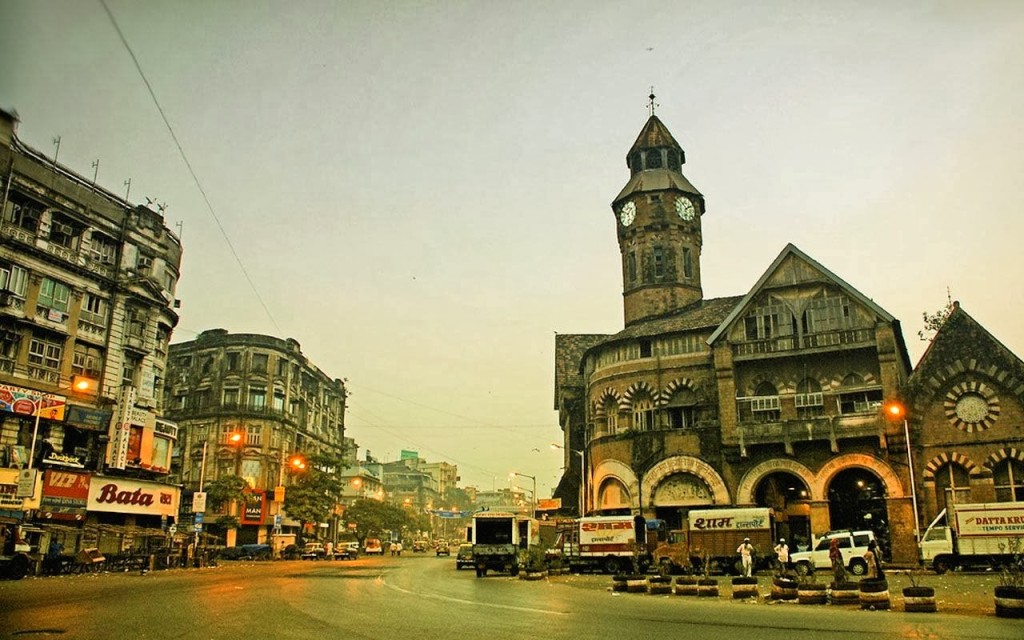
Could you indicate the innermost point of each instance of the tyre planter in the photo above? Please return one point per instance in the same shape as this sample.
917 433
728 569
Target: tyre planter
744 588
636 584
874 594
657 585
812 593
619 582
844 593
686 586
919 600
529 574
707 588
1010 602
784 589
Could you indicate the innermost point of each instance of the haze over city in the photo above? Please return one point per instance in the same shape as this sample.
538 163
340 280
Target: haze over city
419 192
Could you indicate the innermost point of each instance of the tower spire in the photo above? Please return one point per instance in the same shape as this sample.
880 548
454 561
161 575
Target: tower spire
651 104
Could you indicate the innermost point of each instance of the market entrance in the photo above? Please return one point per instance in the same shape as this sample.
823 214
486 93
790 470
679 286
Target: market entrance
857 500
787 495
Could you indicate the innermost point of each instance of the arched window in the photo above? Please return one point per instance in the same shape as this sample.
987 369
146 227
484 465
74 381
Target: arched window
952 485
858 396
612 495
1009 480
765 404
643 414
611 416
809 401
681 410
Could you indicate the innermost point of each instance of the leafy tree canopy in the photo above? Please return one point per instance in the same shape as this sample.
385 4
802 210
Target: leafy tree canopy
222 490
374 518
314 493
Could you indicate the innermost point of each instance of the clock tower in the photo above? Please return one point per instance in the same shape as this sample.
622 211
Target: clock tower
657 217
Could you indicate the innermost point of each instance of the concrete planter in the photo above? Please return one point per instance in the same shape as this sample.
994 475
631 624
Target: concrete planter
1009 602
812 593
744 588
784 589
686 586
844 593
874 594
707 588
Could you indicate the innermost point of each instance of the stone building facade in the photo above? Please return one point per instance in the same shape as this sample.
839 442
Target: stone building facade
771 398
264 390
87 307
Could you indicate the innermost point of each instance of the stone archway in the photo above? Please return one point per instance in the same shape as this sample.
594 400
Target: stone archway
893 485
685 464
613 470
746 487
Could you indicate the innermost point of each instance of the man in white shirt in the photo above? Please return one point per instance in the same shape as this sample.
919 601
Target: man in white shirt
746 551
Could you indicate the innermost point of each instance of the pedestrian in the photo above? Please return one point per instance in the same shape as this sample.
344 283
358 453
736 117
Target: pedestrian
782 555
873 561
329 550
399 545
393 548
835 556
746 551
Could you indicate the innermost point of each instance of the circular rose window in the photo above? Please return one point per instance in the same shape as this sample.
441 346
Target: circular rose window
972 406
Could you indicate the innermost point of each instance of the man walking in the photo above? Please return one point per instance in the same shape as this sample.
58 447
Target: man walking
782 555
746 551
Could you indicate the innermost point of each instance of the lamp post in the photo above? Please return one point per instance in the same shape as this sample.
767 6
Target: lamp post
897 411
583 477
533 508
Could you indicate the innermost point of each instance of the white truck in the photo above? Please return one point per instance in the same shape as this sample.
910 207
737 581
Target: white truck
601 543
501 541
973 535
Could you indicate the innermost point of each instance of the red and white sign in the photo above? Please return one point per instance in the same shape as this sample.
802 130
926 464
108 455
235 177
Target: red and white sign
123 495
65 495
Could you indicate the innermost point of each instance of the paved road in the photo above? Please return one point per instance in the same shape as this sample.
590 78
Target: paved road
420 597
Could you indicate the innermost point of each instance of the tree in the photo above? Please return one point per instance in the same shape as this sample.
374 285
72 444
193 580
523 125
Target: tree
222 490
313 496
934 321
373 518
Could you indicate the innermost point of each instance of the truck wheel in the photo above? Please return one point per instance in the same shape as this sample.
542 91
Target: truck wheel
803 568
941 565
480 572
18 567
858 567
612 565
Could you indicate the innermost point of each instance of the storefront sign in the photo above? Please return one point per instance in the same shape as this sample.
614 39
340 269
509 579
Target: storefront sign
65 495
90 419
9 496
123 495
63 460
26 483
29 402
254 503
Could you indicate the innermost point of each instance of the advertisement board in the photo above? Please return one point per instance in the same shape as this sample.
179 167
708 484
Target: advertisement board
65 495
127 495
29 402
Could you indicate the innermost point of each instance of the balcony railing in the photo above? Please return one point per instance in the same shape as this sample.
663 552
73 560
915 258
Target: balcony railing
787 432
783 344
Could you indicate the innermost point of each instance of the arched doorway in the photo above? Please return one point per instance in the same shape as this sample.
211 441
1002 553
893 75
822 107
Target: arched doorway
857 500
789 497
613 498
676 494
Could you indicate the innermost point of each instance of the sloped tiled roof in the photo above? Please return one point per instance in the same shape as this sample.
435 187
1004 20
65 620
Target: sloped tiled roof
656 180
654 134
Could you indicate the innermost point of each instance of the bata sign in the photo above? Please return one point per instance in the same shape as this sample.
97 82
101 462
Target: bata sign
119 495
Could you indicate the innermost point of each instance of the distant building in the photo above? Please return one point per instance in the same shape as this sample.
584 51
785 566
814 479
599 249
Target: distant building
87 282
252 401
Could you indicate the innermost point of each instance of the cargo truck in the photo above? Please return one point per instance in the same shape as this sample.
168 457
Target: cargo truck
973 535
501 541
710 540
603 543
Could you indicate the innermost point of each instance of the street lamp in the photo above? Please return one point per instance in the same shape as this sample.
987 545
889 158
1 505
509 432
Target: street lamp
897 411
533 510
583 476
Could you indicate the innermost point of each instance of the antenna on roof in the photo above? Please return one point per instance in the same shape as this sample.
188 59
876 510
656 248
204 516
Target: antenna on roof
96 166
56 151
127 183
651 104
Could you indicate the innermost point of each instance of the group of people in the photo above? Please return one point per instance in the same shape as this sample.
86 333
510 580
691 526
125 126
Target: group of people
395 548
872 558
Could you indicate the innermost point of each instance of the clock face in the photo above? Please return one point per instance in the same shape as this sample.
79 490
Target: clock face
685 208
627 213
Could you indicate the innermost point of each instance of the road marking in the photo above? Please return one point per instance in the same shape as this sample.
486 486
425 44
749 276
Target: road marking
434 596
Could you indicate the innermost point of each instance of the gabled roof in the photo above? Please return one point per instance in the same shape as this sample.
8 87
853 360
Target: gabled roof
791 251
961 339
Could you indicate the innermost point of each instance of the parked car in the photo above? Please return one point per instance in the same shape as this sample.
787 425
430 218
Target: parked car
373 547
346 551
464 556
442 549
313 551
419 546
257 551
852 544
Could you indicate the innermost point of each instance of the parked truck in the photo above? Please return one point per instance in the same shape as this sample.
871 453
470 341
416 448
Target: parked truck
602 543
501 541
974 535
710 539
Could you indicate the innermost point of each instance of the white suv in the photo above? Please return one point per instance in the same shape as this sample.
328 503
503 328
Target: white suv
852 544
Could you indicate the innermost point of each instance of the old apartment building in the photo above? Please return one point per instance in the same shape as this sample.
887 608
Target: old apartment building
87 306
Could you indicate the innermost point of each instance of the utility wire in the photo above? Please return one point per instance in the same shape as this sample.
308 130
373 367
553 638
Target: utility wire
188 164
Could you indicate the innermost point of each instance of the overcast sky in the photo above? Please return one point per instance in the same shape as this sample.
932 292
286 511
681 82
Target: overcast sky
420 190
